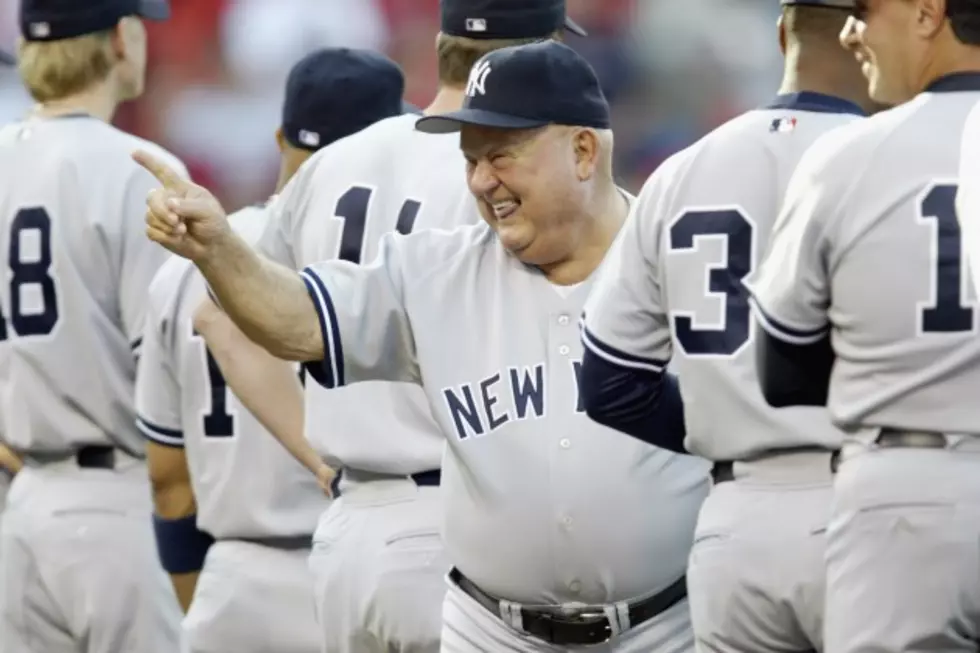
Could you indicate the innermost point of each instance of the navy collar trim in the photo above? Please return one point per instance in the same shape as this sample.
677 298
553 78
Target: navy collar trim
817 102
955 82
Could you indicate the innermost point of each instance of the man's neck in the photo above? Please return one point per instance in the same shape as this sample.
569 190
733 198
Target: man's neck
447 99
801 74
957 58
601 223
97 102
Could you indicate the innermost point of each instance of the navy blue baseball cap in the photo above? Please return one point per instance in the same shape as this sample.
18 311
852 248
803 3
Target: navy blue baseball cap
334 92
53 20
527 86
505 19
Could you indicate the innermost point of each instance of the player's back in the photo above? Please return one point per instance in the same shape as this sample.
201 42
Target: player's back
76 267
715 207
388 177
245 483
903 305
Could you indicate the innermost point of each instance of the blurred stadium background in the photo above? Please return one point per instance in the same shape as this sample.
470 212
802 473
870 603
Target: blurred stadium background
673 69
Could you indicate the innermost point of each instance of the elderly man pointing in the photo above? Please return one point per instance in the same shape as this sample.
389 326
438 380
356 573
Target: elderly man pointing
486 316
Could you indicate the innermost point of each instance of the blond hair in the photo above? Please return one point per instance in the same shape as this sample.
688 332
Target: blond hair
53 70
457 54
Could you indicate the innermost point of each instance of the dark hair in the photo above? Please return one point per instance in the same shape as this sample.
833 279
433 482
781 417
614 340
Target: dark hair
965 23
806 22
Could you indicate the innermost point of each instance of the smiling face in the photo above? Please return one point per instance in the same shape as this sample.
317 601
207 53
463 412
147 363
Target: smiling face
529 187
885 38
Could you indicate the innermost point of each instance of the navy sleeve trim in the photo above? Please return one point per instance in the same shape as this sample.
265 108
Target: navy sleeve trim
783 331
333 352
159 434
618 356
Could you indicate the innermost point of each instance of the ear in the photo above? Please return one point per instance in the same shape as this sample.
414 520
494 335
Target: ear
781 34
930 17
281 140
117 39
586 146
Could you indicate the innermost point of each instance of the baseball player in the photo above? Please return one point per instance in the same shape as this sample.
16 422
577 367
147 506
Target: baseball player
673 291
378 560
867 307
78 559
254 593
546 558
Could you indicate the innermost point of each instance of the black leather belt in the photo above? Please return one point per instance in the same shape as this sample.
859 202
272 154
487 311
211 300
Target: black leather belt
593 628
724 470
95 457
431 478
286 543
913 439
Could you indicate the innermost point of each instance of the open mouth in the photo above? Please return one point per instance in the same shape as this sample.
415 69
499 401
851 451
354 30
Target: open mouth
503 210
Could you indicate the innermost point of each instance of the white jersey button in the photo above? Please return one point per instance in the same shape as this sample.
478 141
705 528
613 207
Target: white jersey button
575 586
563 320
566 521
563 350
565 443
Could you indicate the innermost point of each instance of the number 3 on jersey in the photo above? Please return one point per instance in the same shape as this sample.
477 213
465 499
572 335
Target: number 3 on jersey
736 233
30 268
352 208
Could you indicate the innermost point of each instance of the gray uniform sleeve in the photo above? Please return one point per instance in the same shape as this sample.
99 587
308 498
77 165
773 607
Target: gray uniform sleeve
367 335
625 320
791 292
157 388
140 257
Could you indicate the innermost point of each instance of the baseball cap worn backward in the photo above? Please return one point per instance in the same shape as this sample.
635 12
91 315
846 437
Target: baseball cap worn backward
505 19
335 92
527 86
53 20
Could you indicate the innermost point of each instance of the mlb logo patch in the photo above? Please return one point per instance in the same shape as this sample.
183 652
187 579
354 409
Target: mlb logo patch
476 24
782 125
309 139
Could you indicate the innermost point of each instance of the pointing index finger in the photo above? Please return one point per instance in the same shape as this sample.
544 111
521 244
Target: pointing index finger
164 173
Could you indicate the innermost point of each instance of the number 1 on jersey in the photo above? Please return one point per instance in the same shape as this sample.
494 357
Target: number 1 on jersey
352 207
945 312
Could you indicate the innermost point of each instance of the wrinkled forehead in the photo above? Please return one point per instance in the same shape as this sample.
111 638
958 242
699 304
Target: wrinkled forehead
476 141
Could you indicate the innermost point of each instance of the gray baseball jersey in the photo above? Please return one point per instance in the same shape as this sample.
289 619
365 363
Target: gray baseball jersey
968 195
868 247
76 265
245 483
542 505
673 287
386 178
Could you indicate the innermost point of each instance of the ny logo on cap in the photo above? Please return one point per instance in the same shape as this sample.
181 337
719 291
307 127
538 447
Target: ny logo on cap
478 79
308 138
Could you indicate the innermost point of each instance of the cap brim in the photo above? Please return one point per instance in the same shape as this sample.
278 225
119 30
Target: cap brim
7 59
154 9
447 123
574 27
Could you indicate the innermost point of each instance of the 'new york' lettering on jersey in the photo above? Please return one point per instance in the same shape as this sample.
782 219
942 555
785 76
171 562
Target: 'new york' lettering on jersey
512 394
676 285
385 179
75 264
868 246
497 345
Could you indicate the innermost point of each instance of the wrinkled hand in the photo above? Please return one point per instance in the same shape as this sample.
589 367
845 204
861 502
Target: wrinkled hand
182 216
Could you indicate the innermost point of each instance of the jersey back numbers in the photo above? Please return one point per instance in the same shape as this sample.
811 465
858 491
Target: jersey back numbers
29 262
945 312
352 208
731 331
